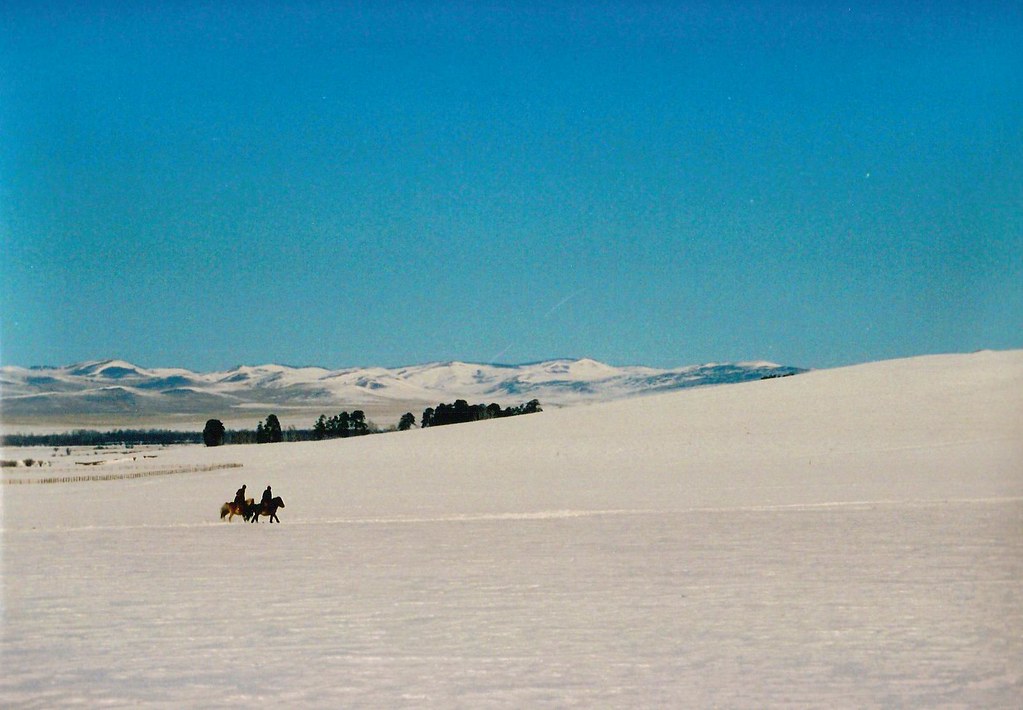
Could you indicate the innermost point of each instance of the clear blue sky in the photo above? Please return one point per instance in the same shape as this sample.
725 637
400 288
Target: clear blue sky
665 183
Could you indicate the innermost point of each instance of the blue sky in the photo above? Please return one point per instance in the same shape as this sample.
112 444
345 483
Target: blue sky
209 184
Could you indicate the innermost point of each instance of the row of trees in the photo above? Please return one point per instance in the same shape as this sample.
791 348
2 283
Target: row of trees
462 412
267 432
341 426
345 424
271 432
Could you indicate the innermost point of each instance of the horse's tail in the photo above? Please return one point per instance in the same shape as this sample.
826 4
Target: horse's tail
224 510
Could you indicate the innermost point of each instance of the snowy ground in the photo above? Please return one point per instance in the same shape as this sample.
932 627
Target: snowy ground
850 538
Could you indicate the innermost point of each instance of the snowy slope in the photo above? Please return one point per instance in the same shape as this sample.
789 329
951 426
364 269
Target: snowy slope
844 538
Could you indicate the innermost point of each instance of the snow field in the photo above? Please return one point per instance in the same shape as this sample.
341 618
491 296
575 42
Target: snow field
850 538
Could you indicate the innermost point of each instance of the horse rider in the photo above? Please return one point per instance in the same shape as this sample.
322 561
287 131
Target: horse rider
239 496
267 497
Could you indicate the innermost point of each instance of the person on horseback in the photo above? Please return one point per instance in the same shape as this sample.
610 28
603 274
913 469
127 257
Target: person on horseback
267 498
239 497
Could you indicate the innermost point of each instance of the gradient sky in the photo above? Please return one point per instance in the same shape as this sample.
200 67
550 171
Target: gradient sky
210 184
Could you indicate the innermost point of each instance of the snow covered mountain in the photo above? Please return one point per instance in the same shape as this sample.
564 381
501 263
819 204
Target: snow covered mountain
112 387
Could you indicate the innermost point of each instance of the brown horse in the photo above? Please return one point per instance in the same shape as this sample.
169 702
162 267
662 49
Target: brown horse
231 509
268 509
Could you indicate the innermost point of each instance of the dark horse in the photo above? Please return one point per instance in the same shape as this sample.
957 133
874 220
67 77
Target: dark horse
268 509
230 509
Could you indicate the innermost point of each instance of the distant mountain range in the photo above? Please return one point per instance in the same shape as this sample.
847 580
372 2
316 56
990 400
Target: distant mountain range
115 387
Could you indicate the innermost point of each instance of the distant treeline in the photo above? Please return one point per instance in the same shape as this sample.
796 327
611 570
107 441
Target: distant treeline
268 432
344 425
462 412
348 424
341 425
119 437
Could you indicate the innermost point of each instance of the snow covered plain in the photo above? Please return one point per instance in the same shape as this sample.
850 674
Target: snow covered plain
849 538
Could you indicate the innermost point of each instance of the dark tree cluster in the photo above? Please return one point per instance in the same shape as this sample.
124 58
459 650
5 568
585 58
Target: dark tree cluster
341 426
407 421
213 434
462 412
774 376
270 432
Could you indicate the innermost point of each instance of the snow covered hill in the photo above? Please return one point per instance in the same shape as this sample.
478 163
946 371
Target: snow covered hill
112 387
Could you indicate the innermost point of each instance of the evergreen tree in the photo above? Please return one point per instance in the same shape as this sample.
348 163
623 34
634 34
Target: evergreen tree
408 420
320 428
357 423
273 431
213 434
